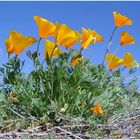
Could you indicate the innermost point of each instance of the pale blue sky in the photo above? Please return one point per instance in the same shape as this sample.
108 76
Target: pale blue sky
95 15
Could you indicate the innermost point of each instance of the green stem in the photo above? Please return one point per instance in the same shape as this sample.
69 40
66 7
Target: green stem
53 52
115 52
43 62
123 69
14 65
109 45
80 52
38 45
15 58
8 57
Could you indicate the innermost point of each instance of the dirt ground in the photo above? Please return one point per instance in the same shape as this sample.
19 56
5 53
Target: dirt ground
119 126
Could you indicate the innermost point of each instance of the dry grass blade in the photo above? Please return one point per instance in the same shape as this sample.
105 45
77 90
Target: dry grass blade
67 132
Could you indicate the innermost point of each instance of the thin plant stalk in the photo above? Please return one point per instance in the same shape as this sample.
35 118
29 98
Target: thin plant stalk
38 45
53 51
109 45
116 50
80 52
43 62
123 69
15 60
8 56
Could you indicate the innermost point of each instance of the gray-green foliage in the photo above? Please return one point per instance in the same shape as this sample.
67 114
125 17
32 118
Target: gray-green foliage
58 90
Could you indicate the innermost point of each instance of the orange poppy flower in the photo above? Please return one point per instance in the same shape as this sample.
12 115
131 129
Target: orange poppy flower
97 109
73 41
76 60
98 37
65 36
51 50
126 39
121 20
45 27
17 42
113 61
128 60
87 38
9 45
57 29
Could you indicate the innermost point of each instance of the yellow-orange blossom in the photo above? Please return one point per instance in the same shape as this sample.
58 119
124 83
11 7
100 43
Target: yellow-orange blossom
97 109
45 27
51 49
126 39
121 20
113 61
17 42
